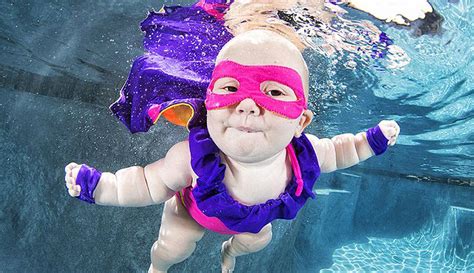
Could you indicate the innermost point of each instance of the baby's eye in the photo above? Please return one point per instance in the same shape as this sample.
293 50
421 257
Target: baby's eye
278 91
225 90
230 88
275 93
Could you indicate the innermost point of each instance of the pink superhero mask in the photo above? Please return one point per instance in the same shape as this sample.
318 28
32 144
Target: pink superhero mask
250 78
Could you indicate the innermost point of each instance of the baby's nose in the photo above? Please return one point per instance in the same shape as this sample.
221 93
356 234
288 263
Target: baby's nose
248 107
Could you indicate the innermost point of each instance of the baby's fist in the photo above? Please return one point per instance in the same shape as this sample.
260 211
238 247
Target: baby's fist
390 130
72 169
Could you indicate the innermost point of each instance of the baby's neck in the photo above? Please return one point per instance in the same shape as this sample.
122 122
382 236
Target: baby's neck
271 161
253 183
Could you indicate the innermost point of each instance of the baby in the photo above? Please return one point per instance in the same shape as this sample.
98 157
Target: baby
249 165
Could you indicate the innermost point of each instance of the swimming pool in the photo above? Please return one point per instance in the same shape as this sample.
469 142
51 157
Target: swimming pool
409 210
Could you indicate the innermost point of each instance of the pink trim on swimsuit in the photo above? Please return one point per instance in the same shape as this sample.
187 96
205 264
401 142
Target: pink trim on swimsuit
211 223
296 169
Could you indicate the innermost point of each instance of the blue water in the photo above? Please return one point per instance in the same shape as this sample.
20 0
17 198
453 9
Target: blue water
412 209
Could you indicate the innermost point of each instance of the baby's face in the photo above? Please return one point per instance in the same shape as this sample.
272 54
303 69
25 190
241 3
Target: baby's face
246 131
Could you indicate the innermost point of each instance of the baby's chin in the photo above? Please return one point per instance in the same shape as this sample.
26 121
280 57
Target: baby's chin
245 156
245 140
247 147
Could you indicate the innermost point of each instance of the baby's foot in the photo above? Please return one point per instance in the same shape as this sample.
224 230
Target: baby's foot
227 260
151 269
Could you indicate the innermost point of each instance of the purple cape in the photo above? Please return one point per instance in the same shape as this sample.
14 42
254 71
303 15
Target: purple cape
171 78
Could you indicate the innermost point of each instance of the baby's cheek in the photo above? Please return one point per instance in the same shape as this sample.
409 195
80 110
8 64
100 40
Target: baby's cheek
216 125
285 130
214 118
218 113
285 124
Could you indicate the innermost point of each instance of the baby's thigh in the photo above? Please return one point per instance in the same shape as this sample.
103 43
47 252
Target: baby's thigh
177 224
255 241
178 236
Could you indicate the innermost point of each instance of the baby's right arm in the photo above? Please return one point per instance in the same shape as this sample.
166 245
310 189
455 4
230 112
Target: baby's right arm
346 150
136 186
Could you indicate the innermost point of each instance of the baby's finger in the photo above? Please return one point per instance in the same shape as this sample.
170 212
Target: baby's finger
70 166
392 141
390 123
77 188
390 132
398 128
70 181
75 172
73 193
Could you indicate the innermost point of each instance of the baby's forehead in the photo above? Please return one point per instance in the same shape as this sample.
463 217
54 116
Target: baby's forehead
269 53
264 47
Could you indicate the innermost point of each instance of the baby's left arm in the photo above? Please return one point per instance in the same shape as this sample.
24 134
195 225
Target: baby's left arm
346 150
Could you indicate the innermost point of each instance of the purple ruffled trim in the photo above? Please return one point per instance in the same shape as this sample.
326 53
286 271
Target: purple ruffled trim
377 141
213 199
87 178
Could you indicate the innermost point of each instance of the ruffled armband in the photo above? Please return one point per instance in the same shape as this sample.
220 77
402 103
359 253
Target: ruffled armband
377 141
87 178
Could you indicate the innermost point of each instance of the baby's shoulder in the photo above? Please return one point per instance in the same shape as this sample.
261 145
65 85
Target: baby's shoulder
321 146
179 154
315 141
319 143
180 148
312 138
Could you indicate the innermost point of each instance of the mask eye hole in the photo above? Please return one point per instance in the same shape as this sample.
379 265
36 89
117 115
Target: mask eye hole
230 89
226 85
278 91
275 93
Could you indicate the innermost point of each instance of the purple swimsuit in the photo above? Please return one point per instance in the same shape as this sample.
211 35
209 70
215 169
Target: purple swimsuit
211 205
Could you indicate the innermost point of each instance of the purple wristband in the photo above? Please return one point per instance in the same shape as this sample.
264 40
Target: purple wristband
87 178
377 141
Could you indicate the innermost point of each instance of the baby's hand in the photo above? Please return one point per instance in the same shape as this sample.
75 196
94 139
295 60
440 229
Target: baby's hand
390 130
72 169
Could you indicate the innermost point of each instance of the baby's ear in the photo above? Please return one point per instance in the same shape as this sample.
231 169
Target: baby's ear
305 120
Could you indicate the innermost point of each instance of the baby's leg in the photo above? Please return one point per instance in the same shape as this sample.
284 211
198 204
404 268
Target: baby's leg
243 243
177 238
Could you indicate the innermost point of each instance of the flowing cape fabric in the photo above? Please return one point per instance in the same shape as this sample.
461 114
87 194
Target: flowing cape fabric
171 78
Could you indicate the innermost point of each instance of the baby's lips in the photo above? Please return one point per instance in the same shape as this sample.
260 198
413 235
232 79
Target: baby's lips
247 129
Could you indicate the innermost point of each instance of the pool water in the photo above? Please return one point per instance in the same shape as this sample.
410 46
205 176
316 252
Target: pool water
411 209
